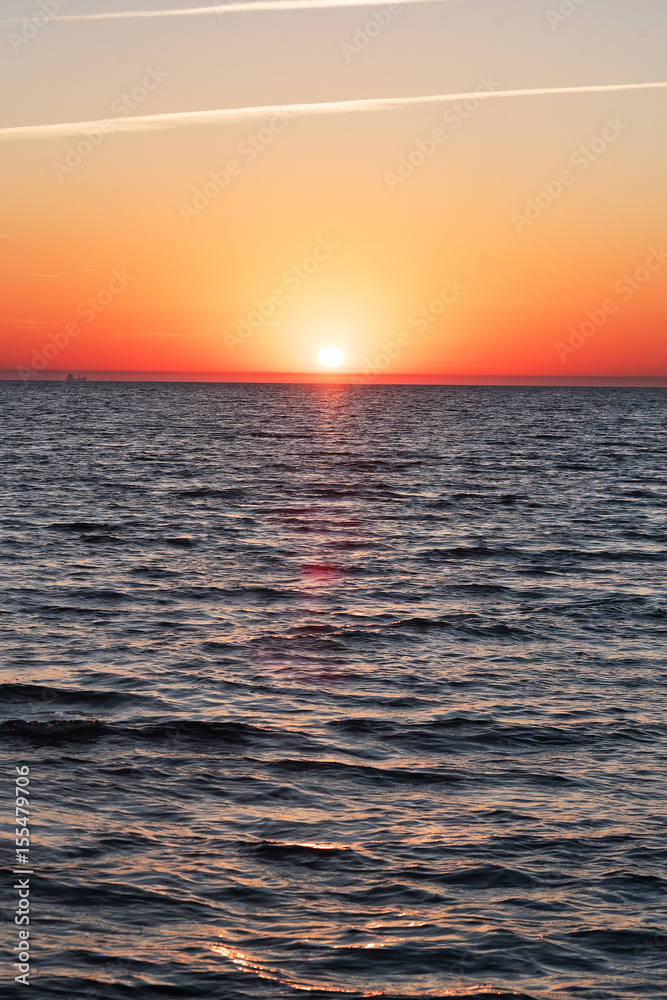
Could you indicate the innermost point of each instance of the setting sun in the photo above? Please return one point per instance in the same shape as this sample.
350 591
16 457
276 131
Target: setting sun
331 357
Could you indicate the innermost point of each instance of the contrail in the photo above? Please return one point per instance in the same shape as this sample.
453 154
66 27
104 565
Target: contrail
147 123
226 8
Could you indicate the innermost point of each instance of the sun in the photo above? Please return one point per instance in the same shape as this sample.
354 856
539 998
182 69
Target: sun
331 357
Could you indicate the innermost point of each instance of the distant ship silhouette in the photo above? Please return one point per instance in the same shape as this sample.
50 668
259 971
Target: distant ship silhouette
76 378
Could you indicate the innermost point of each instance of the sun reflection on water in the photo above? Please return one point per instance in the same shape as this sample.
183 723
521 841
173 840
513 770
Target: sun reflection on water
245 963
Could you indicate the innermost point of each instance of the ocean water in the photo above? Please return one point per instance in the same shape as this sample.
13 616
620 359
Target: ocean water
337 690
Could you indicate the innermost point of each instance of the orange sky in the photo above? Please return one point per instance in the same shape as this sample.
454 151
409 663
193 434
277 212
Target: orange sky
517 235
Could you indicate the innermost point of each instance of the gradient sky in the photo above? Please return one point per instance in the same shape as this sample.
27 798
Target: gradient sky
347 224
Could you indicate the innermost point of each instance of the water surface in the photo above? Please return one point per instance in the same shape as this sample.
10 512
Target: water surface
338 689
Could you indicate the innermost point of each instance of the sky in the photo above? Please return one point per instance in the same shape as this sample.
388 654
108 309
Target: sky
441 188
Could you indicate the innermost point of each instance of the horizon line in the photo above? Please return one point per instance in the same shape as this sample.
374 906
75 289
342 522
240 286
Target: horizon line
344 378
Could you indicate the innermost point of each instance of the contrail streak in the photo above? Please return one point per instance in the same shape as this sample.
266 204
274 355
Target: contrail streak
227 8
147 123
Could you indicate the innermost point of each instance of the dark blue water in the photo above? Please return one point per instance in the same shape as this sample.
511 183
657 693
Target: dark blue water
344 690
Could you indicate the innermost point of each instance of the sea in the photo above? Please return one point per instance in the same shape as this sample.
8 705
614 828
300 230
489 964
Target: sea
336 690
